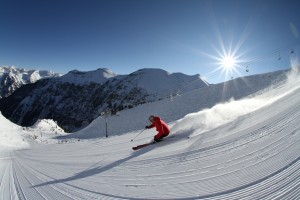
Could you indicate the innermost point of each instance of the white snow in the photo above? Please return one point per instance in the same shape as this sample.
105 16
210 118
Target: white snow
208 119
245 149
44 131
12 136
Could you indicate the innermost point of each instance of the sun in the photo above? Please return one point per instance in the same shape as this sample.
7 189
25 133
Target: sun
228 62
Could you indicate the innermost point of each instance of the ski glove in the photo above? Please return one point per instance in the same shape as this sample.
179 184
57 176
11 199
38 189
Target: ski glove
147 127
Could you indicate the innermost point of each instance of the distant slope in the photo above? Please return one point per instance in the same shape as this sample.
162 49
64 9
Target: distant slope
163 83
179 106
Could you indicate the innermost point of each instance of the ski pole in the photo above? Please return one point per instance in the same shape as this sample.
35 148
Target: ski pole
138 135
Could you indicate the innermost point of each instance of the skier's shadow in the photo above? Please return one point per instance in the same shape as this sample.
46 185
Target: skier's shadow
98 169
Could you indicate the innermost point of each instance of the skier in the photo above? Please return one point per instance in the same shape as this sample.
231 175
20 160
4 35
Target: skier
161 126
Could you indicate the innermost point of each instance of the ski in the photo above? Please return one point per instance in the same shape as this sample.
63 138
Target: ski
150 143
142 145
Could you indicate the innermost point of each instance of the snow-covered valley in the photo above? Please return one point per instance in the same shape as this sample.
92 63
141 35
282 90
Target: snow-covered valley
243 149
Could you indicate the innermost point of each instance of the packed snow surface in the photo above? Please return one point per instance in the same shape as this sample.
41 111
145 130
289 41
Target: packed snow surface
246 149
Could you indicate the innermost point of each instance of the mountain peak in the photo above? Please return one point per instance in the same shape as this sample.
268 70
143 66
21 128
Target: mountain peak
12 78
154 80
151 71
100 75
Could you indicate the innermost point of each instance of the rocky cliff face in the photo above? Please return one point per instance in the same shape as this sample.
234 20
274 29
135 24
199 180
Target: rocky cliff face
12 78
77 98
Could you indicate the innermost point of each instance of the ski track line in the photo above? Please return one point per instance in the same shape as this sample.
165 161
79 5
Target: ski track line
196 156
39 192
192 158
175 162
271 149
268 184
7 188
249 138
79 192
248 191
53 188
228 172
20 192
247 170
258 164
3 182
285 182
270 130
24 181
207 168
283 128
65 188
3 170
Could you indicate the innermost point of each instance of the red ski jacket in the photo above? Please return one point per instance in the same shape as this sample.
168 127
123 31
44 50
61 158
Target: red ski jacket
161 126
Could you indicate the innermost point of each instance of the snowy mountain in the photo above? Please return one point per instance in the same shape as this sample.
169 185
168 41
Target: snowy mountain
239 149
163 83
12 78
77 98
172 109
77 77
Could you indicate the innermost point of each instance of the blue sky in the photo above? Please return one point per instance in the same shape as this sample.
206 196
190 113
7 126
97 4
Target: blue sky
124 35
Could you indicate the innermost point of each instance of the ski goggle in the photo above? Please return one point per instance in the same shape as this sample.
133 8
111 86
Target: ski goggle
151 118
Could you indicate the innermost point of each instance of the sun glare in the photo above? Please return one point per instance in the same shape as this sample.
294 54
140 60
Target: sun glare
228 62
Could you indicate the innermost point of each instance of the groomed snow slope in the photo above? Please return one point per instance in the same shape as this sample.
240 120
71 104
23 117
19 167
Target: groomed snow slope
12 137
253 155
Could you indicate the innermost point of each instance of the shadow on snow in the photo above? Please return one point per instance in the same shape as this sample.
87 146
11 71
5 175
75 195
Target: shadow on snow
98 169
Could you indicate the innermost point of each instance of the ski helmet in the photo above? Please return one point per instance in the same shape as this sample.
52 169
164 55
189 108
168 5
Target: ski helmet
151 118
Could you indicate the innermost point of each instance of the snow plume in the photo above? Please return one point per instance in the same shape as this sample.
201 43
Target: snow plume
293 74
292 81
208 119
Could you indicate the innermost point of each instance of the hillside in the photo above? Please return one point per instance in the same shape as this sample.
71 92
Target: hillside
240 149
75 99
175 108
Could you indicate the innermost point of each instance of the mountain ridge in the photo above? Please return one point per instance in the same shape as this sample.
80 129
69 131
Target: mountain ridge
12 78
77 98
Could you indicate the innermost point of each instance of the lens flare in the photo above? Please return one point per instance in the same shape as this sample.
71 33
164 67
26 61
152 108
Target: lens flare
228 62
